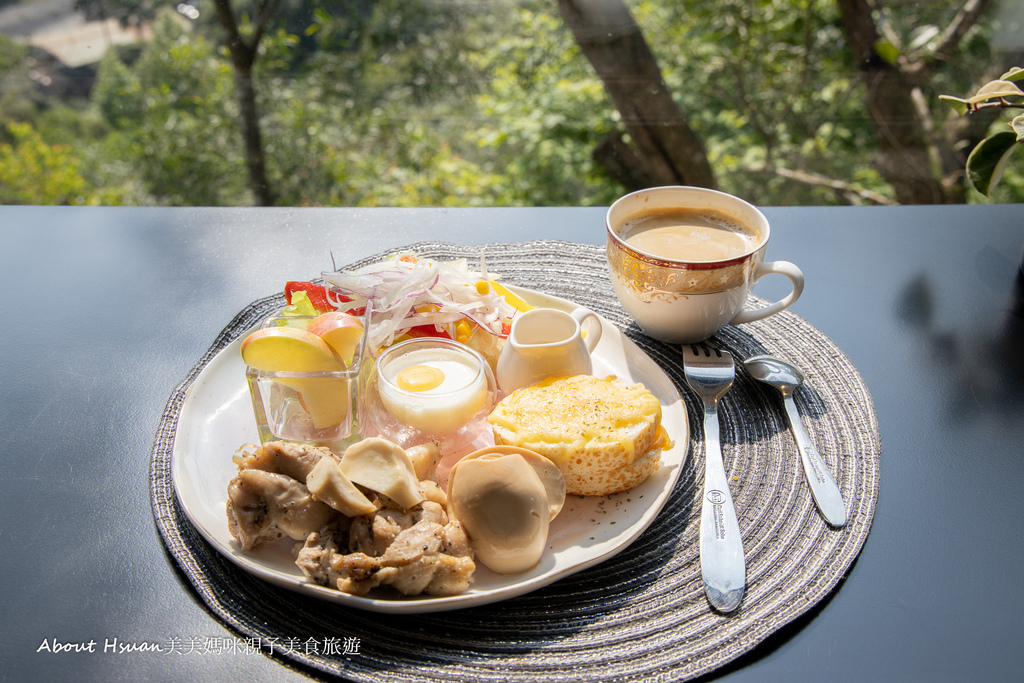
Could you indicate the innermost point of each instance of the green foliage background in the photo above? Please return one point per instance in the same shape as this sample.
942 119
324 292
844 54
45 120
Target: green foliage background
443 103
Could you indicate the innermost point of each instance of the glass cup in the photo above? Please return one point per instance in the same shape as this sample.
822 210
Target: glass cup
319 408
449 403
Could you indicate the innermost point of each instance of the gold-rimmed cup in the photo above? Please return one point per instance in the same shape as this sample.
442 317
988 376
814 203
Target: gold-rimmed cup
679 290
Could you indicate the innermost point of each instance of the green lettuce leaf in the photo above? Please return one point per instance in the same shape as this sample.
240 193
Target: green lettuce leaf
298 313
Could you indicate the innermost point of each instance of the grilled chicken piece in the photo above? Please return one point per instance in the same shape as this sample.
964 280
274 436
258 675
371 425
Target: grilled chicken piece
314 558
295 460
266 506
386 525
414 563
452 575
416 550
455 541
373 534
425 458
433 492
430 512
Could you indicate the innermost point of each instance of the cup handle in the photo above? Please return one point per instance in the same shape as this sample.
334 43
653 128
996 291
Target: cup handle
594 333
786 268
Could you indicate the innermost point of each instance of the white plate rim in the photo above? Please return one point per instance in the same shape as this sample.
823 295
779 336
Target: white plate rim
615 352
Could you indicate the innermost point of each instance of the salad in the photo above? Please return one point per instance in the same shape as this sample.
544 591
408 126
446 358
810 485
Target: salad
412 297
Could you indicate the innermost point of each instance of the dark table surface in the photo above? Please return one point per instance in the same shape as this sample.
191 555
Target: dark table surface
108 309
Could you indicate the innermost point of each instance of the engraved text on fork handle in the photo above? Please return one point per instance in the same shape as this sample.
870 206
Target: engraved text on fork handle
721 546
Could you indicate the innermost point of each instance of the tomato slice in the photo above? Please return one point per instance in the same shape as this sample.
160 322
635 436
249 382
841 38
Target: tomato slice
317 294
427 330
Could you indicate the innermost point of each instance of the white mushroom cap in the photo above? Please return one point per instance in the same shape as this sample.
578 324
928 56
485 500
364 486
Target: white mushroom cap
550 475
505 499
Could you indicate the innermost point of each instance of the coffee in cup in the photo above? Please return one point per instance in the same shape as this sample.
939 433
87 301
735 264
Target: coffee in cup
683 260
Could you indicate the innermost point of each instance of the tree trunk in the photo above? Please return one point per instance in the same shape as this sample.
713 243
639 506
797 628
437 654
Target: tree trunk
243 56
908 155
252 135
665 150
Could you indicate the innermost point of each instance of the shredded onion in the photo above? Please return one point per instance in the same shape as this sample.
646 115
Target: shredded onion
407 292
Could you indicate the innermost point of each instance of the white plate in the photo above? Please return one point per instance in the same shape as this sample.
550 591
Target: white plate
216 419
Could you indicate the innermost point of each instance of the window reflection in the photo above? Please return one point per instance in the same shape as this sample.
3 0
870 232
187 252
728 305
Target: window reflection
981 364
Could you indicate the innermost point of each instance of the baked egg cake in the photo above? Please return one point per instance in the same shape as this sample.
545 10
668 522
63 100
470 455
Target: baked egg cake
605 435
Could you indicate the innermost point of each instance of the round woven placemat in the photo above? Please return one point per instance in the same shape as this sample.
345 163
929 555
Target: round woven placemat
641 616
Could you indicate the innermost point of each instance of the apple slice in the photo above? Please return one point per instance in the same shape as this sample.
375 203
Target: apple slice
342 332
324 398
290 349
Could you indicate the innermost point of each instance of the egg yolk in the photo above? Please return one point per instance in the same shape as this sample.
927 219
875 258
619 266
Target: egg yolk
419 378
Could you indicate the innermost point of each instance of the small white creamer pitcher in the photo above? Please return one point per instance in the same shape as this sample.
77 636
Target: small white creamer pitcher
547 342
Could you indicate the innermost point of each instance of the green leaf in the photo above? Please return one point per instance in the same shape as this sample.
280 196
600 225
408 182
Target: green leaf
1014 75
986 163
990 91
994 89
887 51
961 106
1018 126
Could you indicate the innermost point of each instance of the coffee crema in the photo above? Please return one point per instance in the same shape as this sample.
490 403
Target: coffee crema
702 235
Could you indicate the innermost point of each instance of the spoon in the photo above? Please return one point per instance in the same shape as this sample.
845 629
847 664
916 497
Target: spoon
786 378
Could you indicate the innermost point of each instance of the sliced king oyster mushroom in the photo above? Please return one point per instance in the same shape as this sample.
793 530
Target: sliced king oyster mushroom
329 484
505 498
384 467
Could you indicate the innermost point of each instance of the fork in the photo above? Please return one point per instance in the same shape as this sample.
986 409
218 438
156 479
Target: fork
709 372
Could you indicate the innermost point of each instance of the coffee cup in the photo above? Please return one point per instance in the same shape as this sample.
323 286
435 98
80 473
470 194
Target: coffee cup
683 260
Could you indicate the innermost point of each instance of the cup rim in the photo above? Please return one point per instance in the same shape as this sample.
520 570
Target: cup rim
535 312
648 257
430 342
360 355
